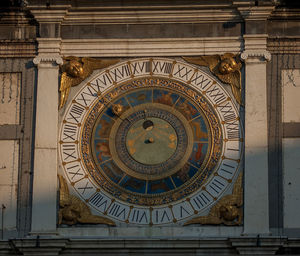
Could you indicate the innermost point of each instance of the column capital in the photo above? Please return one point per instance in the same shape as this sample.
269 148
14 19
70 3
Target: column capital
48 51
46 59
256 48
249 54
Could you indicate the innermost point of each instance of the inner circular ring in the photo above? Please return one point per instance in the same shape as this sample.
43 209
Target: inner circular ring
180 138
151 141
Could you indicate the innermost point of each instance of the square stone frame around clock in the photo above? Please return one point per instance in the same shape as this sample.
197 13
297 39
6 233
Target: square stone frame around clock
256 214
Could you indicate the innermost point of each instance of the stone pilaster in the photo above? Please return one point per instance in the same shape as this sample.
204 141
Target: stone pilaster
256 211
44 204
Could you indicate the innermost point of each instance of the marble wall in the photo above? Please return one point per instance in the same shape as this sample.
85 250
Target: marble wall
291 148
10 84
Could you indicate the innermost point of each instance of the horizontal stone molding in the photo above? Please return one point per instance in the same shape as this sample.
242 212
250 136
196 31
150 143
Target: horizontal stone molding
11 49
255 47
146 16
49 45
44 14
93 14
256 12
190 246
255 41
284 45
150 47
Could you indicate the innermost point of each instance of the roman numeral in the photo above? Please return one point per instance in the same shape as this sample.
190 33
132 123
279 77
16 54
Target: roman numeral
96 199
216 186
138 216
85 97
101 82
229 168
165 215
183 72
232 129
162 215
76 113
69 152
99 201
201 81
182 209
201 200
216 94
85 187
69 132
74 170
162 67
120 72
117 211
227 111
140 67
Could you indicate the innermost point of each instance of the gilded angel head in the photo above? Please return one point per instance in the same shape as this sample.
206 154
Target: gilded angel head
228 65
74 68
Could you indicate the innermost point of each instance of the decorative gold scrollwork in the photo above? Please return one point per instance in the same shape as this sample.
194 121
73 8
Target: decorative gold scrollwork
73 210
75 70
227 211
226 67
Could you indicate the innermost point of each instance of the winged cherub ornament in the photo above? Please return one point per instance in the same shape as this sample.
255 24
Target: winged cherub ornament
227 211
226 67
75 70
73 210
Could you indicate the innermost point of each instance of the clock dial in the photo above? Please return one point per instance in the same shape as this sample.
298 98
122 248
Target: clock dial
150 141
151 148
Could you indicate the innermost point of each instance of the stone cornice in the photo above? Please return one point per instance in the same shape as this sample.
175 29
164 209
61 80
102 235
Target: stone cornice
255 12
141 14
55 14
144 16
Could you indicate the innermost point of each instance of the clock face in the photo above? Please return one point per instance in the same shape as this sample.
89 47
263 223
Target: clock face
151 142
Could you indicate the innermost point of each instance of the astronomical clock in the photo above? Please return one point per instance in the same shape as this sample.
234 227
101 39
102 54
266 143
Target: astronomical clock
154 141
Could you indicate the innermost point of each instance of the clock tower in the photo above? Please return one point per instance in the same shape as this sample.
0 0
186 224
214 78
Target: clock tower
149 127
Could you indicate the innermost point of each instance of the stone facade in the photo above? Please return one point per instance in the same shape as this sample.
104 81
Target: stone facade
36 35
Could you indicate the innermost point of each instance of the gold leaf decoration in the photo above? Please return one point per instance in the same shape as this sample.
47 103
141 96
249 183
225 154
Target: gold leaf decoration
75 70
73 210
226 67
228 210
